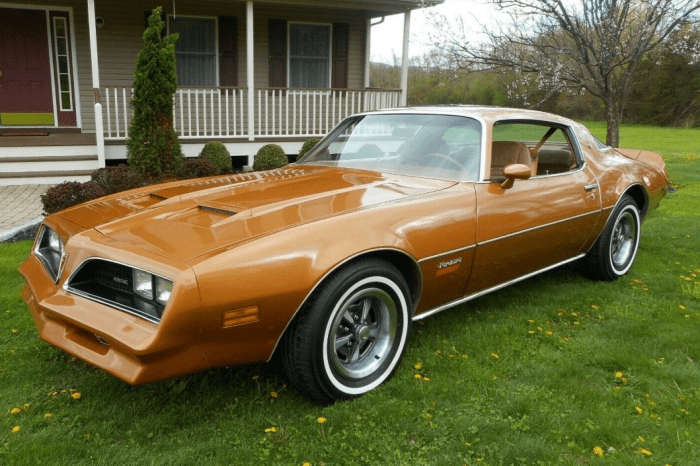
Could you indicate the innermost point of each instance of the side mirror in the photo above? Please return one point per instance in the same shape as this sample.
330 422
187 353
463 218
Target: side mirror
515 171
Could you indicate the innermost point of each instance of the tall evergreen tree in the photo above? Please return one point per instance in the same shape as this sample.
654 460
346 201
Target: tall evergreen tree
153 145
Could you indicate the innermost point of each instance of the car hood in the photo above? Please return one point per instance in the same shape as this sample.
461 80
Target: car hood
183 221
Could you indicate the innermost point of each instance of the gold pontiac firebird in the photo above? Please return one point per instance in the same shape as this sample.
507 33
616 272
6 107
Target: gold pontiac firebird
394 216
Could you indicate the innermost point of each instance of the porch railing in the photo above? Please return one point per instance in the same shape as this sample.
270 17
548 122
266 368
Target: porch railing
222 112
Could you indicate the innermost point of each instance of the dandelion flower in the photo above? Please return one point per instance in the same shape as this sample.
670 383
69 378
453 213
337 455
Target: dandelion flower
639 410
495 356
549 333
597 451
624 380
274 394
530 321
25 406
306 464
641 439
75 396
417 376
16 410
645 452
418 366
271 430
425 379
321 420
14 330
595 308
15 429
48 415
618 375
681 307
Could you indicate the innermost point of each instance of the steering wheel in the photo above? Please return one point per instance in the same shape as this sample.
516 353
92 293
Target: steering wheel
447 158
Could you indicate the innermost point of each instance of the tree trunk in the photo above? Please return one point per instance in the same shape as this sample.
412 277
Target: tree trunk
613 117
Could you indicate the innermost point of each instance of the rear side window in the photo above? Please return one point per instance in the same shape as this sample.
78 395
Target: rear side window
550 148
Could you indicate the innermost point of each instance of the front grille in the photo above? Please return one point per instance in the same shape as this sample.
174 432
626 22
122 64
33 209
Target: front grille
111 283
107 274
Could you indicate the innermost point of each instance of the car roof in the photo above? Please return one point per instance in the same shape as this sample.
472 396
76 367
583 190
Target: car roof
489 114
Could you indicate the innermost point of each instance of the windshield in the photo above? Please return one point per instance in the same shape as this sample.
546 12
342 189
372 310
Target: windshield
429 146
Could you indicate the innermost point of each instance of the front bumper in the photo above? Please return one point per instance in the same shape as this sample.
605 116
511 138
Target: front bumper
128 347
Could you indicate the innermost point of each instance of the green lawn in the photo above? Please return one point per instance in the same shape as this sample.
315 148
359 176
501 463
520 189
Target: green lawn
540 373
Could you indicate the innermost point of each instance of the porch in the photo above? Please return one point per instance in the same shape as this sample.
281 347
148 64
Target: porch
263 71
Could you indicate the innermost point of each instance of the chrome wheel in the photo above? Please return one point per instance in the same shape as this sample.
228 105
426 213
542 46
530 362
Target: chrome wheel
623 241
349 337
362 333
613 253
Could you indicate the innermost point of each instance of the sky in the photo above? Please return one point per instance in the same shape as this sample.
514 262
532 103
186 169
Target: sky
387 38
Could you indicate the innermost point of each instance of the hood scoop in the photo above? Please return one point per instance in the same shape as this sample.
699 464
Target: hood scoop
203 215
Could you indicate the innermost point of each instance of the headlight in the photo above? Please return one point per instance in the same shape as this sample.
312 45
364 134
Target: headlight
49 249
163 289
143 284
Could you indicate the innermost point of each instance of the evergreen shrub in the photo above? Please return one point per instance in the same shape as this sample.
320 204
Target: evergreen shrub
308 145
216 153
153 147
269 157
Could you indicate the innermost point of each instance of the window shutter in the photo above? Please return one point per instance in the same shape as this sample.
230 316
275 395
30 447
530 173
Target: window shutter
228 51
341 33
277 34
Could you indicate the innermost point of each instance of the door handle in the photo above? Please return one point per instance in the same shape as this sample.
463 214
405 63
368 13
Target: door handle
591 187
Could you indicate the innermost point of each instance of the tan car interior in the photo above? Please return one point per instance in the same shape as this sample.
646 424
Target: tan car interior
543 159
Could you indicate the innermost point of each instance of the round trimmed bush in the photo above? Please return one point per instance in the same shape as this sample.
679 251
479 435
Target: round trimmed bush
269 157
308 145
216 153
197 168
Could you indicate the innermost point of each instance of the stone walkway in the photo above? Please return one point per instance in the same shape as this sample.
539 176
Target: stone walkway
20 208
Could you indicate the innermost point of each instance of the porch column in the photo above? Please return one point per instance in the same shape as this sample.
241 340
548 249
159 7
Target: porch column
250 69
368 47
99 129
404 60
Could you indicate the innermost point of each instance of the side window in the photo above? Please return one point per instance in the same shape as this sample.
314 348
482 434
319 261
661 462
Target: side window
545 148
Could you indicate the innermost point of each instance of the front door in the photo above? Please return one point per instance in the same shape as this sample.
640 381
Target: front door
26 97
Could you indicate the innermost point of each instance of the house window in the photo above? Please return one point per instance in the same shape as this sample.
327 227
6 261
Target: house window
309 55
195 50
63 63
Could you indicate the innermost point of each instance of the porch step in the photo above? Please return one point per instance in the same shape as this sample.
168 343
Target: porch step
46 164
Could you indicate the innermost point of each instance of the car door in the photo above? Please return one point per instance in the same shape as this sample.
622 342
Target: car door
536 224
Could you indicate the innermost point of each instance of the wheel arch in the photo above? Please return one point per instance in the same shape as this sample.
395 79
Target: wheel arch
405 263
640 197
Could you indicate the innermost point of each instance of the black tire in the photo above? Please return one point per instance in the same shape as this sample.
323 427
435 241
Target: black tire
614 251
351 334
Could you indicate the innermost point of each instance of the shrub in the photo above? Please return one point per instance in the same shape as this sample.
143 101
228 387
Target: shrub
308 145
117 179
269 157
68 194
197 168
216 153
153 145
